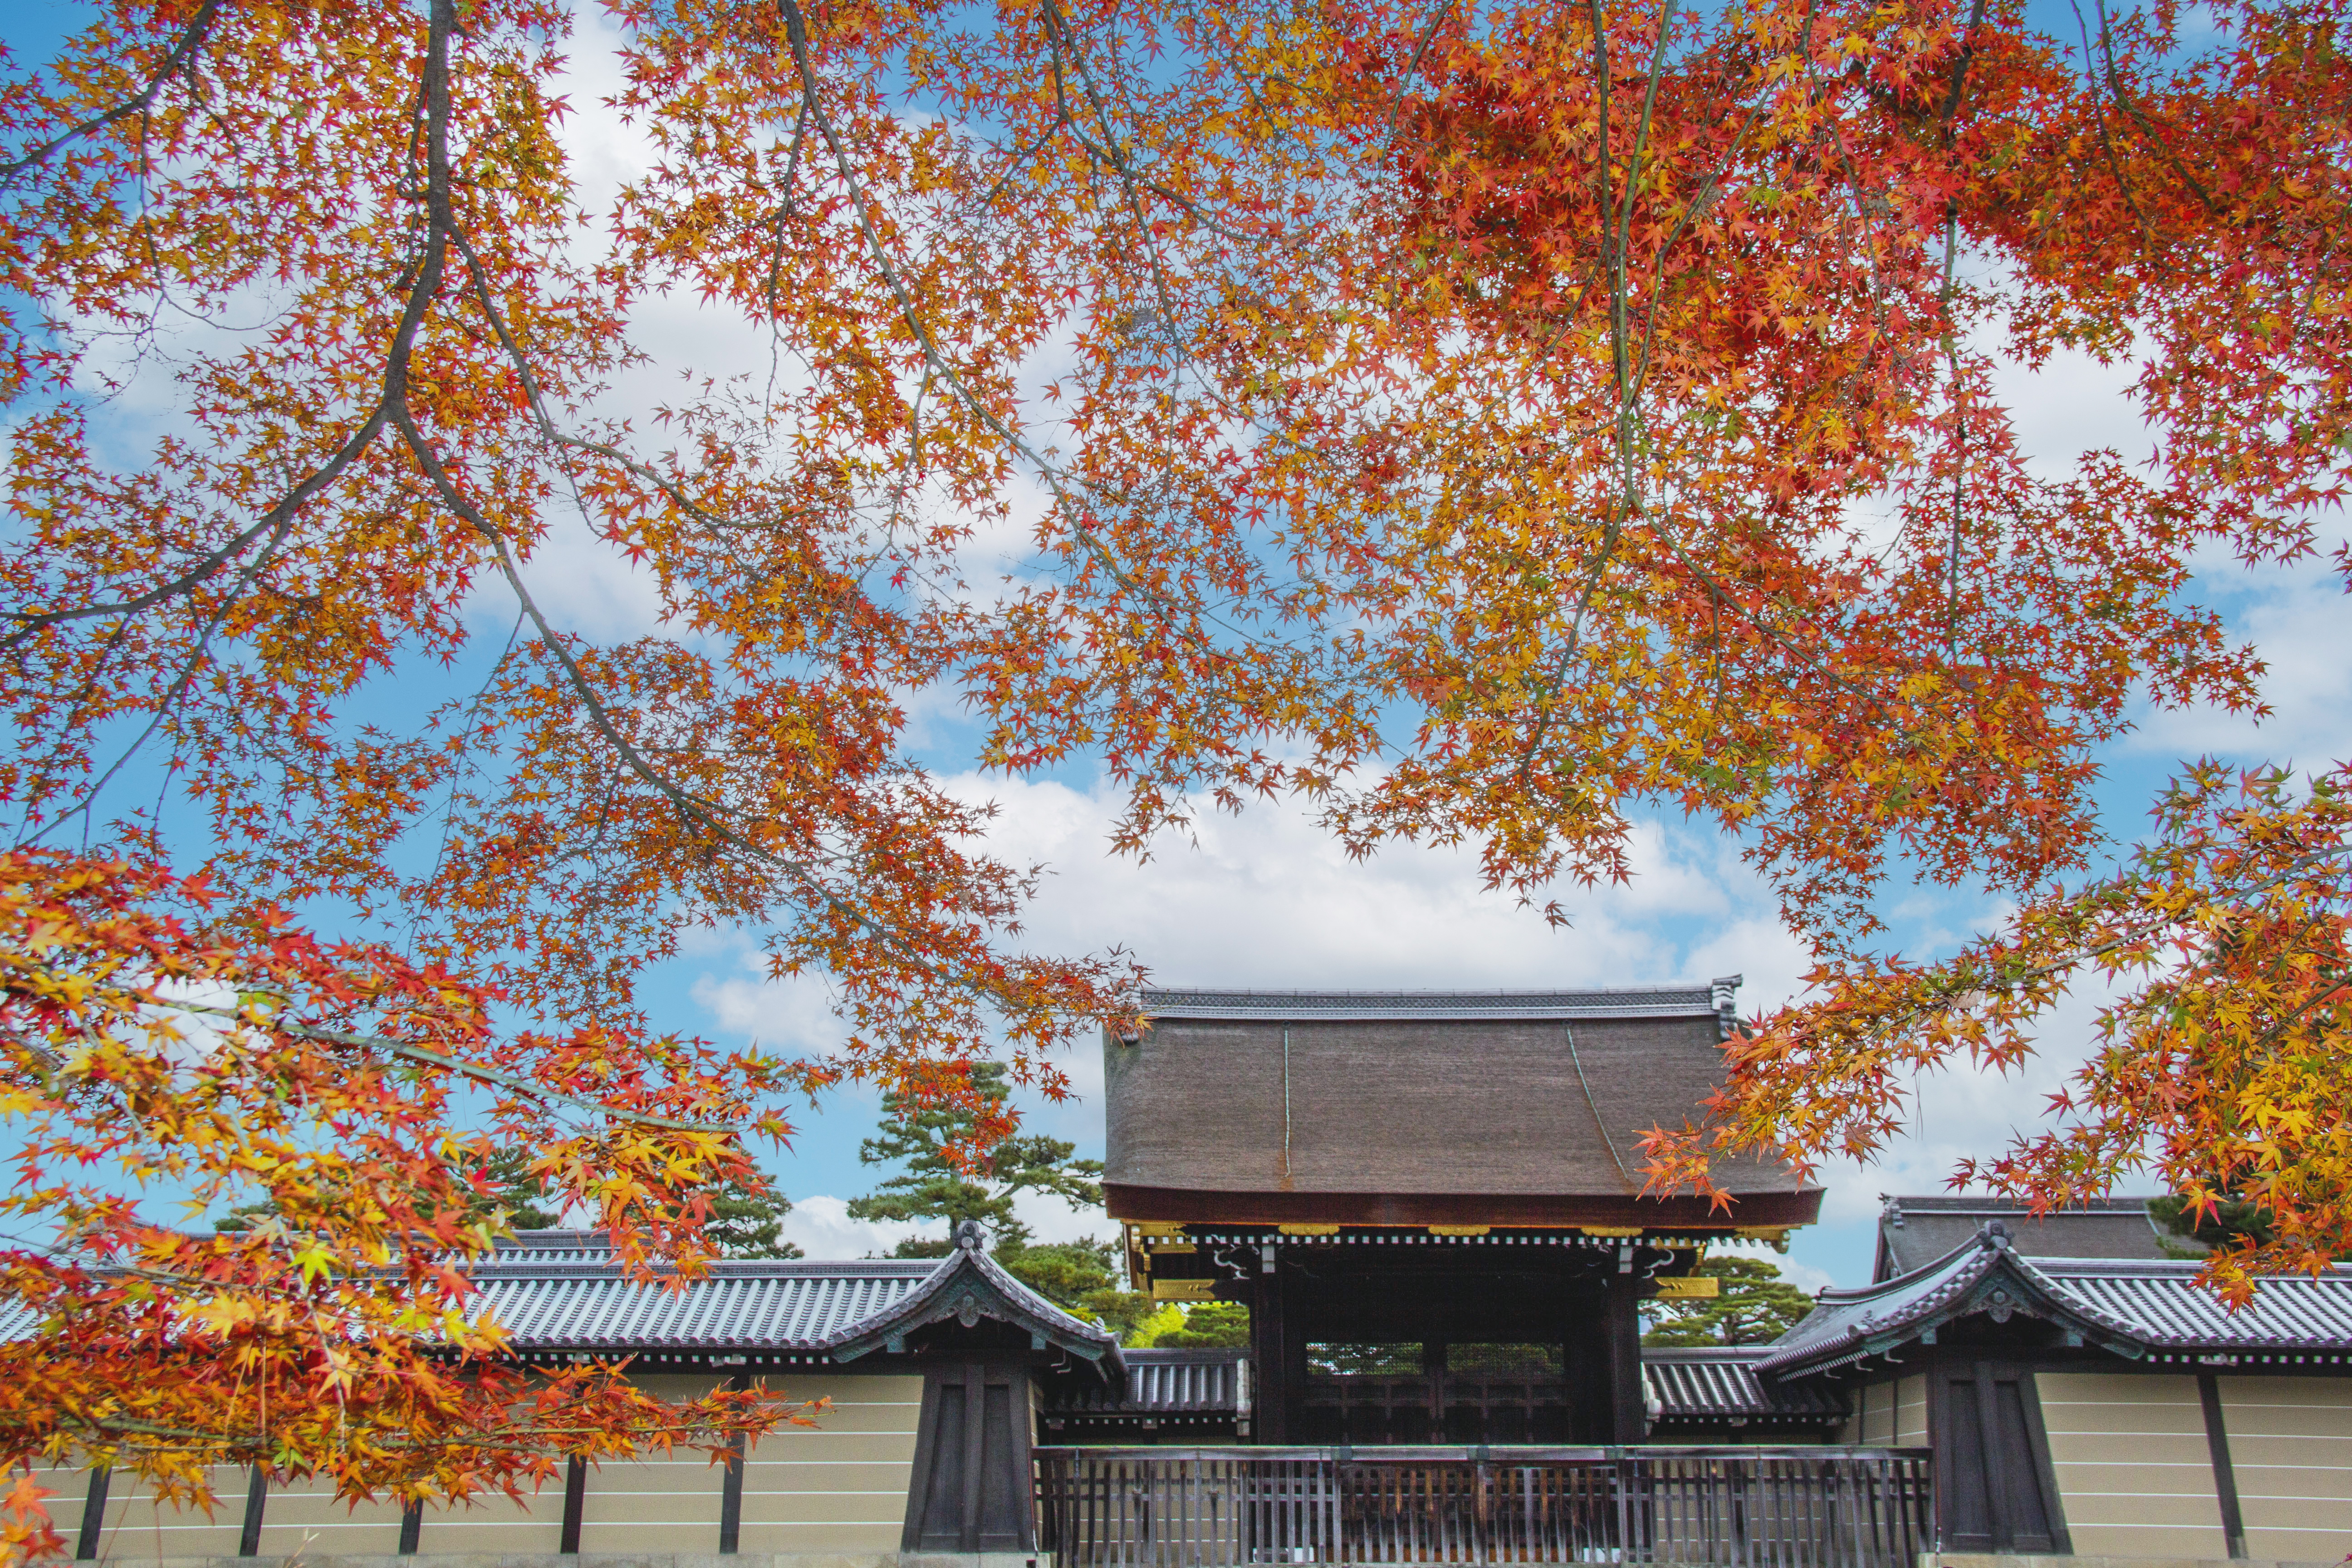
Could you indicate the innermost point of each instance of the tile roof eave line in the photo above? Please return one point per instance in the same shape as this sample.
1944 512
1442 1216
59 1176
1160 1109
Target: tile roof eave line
1844 1295
1207 1004
1152 992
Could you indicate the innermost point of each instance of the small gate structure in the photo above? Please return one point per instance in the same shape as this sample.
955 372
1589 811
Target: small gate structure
1736 1507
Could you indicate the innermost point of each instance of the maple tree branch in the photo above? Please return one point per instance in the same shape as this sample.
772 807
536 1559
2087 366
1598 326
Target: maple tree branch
1109 151
275 524
1951 345
179 56
2106 141
2120 938
421 292
427 1057
1616 240
2125 102
1437 14
549 427
710 816
167 704
797 36
1692 209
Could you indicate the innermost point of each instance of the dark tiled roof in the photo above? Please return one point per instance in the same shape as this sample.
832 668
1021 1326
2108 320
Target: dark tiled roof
563 1292
557 1292
735 1306
1720 1383
1632 1002
2137 1307
1914 1231
2166 1307
1166 1383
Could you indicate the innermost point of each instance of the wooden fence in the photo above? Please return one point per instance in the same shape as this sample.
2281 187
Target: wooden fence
1740 1508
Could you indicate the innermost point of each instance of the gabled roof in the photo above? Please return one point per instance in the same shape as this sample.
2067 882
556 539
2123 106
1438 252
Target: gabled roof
1914 1231
2134 1307
968 1285
563 1292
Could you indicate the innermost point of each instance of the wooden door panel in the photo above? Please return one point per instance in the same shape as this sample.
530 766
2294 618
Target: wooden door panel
1992 1462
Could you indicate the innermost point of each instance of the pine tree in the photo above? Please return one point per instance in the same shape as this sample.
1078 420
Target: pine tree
940 1180
1754 1307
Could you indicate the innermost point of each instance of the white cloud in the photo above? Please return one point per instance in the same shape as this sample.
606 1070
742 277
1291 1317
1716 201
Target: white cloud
1964 1111
2071 406
1052 1219
1804 1275
820 1227
794 1015
1267 899
2297 619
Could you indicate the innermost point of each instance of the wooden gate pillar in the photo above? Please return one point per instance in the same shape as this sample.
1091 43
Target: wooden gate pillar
1277 1393
971 1488
1620 1328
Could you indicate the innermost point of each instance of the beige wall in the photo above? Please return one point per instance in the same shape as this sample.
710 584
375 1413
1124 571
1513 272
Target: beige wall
304 1517
136 1529
71 1487
2291 1450
659 1503
2134 1474
1889 1415
838 1487
843 1486
1911 1413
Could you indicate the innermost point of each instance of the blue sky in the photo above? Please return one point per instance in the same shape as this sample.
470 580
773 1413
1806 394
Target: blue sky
1266 901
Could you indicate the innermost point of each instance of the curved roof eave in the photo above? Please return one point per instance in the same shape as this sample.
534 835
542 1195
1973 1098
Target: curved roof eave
1984 1274
967 1287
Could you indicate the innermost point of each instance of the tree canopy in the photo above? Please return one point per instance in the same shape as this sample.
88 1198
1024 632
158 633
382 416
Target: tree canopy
1752 1306
1488 423
949 1172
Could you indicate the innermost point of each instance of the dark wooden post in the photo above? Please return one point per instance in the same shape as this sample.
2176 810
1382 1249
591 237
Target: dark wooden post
92 1533
1620 1328
2225 1474
1277 1393
256 1498
412 1527
730 1494
575 1502
972 1486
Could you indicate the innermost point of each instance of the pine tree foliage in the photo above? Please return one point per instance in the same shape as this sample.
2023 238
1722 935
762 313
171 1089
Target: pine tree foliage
1753 1306
948 1172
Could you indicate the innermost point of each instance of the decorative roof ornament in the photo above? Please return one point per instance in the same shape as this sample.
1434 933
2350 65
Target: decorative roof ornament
1723 992
971 1236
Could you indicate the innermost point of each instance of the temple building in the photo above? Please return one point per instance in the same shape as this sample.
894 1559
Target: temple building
1442 1186
1430 1204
